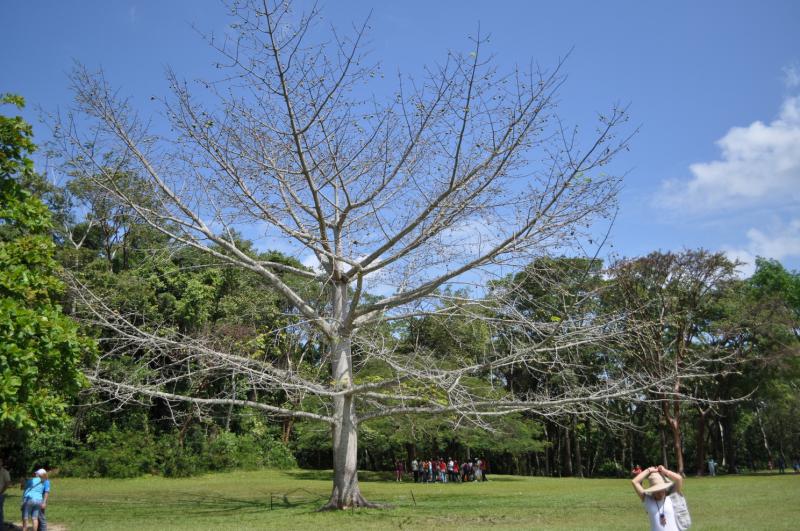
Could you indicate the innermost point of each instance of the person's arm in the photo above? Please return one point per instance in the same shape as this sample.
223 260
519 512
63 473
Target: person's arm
637 481
45 494
676 478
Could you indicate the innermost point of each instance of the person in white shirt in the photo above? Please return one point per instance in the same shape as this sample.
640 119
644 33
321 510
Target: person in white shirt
655 497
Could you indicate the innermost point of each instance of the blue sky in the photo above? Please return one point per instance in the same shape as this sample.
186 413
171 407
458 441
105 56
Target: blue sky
715 87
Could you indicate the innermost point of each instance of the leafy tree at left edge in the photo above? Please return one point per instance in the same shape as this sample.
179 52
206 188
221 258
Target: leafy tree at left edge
41 350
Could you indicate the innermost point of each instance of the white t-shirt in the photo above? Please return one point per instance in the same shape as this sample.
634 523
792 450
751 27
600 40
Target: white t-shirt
655 508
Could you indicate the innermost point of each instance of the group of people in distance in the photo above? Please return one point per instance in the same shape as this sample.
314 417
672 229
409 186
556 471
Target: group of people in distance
440 470
35 491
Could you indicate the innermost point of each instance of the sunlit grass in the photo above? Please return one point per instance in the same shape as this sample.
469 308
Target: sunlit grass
241 500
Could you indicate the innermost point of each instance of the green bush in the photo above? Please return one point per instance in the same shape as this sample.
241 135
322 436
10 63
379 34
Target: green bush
222 452
175 459
228 451
114 454
126 453
610 469
279 456
47 447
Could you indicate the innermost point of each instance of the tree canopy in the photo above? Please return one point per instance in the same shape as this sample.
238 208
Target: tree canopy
41 350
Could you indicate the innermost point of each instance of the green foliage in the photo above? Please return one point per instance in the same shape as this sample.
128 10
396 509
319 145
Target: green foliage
40 349
131 452
175 459
114 454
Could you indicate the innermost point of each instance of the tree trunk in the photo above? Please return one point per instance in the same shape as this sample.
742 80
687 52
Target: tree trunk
674 424
346 491
729 440
591 455
547 452
577 445
700 441
676 444
567 452
764 439
411 452
286 430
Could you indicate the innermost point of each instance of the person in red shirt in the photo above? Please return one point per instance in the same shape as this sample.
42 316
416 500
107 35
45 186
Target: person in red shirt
636 471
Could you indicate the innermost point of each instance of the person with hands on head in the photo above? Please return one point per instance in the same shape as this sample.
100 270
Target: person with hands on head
655 497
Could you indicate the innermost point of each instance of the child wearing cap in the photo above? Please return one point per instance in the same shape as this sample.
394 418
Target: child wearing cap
33 500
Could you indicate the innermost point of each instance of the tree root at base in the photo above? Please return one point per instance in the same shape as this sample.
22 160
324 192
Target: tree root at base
358 503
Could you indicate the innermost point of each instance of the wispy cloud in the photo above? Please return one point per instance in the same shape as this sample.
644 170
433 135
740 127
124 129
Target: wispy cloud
791 75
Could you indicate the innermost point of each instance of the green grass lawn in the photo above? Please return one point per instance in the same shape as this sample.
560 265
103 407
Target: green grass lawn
241 500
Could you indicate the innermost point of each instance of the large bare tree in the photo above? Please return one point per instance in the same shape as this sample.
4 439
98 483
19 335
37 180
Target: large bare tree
464 173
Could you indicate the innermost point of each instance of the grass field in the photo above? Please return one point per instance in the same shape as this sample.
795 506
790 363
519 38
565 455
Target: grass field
241 500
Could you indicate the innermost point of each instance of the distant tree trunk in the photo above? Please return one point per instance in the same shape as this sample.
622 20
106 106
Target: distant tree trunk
673 421
591 456
567 451
578 456
557 466
763 434
286 430
624 449
728 440
663 434
547 452
700 440
593 468
411 452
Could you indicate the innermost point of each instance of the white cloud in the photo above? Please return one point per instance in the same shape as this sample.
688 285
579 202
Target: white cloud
782 242
791 75
759 165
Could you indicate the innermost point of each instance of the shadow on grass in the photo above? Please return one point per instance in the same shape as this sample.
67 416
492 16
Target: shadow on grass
327 475
220 505
308 474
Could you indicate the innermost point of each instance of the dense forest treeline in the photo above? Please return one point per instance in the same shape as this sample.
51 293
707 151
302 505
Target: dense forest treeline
700 313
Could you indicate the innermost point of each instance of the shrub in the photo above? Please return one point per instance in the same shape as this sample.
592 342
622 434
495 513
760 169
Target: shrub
279 456
126 453
610 469
222 452
176 460
114 454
